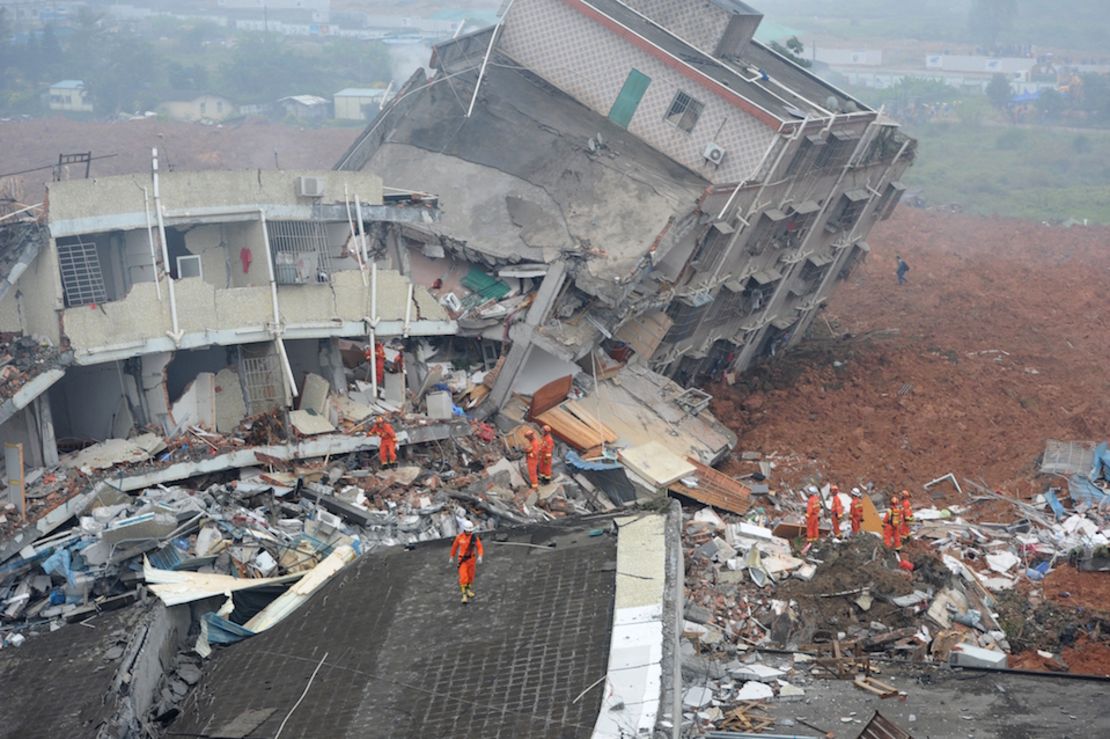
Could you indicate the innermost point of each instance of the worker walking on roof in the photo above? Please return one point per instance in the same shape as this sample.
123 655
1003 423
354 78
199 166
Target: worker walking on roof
855 511
532 456
547 453
892 525
907 514
468 548
813 515
837 510
387 445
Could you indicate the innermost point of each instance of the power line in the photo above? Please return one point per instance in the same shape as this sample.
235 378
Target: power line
52 166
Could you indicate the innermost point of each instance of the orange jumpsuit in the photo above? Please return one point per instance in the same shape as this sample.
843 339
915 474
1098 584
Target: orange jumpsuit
533 458
387 450
468 547
907 517
856 512
379 362
892 527
547 454
837 510
813 514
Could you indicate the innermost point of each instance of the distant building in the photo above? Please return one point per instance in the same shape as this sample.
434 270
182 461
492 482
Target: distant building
69 95
306 108
358 103
199 108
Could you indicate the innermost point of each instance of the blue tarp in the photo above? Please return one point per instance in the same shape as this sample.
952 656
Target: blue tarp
1101 468
1083 490
1054 504
1026 97
606 475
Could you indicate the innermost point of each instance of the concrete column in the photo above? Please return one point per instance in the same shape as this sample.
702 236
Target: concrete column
154 392
331 365
45 422
549 290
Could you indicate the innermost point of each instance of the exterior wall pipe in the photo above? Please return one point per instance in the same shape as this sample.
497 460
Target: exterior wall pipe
354 237
150 241
176 333
287 369
408 313
374 325
361 230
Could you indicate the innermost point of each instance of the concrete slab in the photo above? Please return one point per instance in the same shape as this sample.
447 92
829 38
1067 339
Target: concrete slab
656 463
314 395
308 424
439 404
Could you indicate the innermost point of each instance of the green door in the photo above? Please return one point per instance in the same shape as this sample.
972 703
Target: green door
625 105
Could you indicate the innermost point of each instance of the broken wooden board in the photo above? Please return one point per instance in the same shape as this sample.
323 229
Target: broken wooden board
872 522
583 414
549 396
871 685
569 428
715 489
880 727
656 463
645 333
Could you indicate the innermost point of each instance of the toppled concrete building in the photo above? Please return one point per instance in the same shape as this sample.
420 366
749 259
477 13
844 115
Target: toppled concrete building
685 192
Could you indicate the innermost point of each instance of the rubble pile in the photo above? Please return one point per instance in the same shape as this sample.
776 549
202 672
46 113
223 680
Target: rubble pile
23 358
766 613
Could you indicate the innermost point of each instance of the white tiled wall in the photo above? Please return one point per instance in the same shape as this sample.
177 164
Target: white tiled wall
698 22
590 63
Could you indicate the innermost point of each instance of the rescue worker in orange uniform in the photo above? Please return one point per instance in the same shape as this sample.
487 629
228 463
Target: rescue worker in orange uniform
813 515
892 525
855 511
387 448
907 514
532 456
547 454
379 362
837 509
468 548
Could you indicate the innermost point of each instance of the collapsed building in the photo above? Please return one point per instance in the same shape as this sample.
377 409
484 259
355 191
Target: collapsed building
688 195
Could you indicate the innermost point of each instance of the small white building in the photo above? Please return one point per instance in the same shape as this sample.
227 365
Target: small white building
358 103
69 95
200 108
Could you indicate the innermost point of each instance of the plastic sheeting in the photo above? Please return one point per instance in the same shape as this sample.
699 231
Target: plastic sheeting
608 476
1082 490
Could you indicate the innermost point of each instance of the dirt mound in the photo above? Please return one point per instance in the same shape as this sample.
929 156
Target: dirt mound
996 344
1071 588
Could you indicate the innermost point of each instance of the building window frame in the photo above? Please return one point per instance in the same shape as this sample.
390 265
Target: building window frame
684 112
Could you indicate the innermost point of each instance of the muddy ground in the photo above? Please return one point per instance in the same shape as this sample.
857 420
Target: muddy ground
997 343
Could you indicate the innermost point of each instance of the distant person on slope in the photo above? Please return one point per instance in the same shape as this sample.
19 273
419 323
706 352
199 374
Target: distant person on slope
903 268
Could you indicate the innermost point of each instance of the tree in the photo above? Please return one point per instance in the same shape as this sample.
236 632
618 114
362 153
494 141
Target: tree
989 18
1050 104
998 91
793 50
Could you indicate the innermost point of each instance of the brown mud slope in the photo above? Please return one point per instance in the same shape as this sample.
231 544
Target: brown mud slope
246 144
999 342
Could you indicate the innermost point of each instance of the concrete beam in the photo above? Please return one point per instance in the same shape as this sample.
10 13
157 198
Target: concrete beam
26 394
256 334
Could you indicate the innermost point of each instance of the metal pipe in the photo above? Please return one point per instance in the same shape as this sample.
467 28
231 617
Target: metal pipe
373 363
176 333
361 228
150 241
485 59
287 369
354 238
408 313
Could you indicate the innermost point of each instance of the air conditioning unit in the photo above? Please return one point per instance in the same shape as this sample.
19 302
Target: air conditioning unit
714 154
310 187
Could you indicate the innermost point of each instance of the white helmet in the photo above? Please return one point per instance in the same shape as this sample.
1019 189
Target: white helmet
812 490
467 526
856 491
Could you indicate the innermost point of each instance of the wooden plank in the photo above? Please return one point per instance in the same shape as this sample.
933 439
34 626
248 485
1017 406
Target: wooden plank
645 332
583 414
549 396
570 429
715 489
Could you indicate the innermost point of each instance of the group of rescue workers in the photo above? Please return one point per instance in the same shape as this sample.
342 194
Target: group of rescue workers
896 520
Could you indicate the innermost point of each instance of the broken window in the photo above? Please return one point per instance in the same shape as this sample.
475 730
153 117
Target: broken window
852 204
684 112
189 267
686 313
300 250
82 278
713 246
807 154
889 201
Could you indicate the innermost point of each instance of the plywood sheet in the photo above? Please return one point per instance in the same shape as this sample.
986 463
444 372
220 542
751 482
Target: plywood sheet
656 463
871 520
715 489
549 396
644 332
